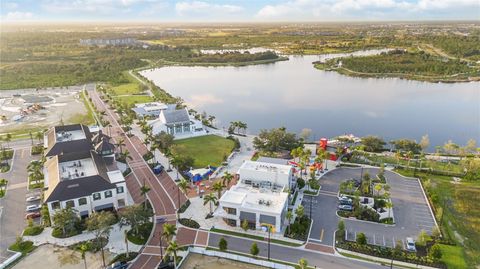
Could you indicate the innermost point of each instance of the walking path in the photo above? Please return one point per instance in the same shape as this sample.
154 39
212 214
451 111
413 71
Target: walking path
164 195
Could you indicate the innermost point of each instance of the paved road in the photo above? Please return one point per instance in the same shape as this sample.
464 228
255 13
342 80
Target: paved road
289 254
411 210
12 206
163 195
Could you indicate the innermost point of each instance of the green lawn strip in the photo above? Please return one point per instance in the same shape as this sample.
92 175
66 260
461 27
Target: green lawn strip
84 118
134 99
206 150
453 257
256 237
24 247
32 231
353 256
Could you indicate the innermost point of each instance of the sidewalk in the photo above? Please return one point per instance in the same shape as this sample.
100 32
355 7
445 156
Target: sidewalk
116 242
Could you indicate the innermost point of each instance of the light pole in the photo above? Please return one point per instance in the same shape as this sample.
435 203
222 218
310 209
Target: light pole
267 228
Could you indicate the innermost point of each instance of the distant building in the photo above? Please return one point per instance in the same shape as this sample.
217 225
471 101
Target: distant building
151 109
77 174
260 196
178 123
109 42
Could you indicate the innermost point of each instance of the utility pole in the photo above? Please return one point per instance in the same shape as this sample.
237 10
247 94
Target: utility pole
269 228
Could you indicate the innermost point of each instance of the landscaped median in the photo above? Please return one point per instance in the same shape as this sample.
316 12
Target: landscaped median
256 237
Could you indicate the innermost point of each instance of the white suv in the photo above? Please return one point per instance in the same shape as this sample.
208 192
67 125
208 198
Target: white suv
411 245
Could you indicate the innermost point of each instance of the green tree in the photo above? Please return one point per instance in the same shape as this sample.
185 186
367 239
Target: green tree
164 140
143 191
183 185
254 250
341 227
424 142
222 244
218 187
83 248
275 140
210 198
435 252
245 225
172 249
289 217
65 219
169 230
99 223
361 239
302 264
227 178
300 211
373 143
135 216
422 238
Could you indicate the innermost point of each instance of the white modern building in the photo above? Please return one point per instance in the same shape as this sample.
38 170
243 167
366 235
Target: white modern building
260 197
151 109
179 123
255 173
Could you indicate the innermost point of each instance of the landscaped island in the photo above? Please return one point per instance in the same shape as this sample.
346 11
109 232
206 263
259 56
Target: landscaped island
405 64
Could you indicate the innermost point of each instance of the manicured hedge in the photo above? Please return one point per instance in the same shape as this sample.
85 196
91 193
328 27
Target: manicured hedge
189 223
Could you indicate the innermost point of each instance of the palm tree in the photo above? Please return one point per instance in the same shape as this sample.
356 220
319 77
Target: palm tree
183 185
289 217
218 187
388 205
172 249
302 264
125 155
227 178
176 161
210 198
83 250
120 143
39 136
144 190
7 139
169 230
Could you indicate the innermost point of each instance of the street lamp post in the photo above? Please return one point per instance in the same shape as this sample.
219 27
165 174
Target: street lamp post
267 228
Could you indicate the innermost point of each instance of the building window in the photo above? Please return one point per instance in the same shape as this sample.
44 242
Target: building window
229 210
82 201
120 189
230 222
108 194
70 203
97 196
178 129
121 202
56 205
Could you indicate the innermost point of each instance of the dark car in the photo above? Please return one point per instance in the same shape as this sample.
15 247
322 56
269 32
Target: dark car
346 202
118 265
345 207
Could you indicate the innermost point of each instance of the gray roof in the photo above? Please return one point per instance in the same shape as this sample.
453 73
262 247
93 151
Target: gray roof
57 148
173 116
79 187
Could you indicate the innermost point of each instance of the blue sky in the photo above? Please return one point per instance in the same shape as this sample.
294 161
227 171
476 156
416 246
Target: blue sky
238 11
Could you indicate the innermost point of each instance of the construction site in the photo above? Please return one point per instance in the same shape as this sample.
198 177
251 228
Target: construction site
33 109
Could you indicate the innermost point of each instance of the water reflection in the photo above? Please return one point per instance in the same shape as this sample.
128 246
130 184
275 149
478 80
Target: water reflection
294 94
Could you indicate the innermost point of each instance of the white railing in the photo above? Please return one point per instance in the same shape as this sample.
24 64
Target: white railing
235 257
11 259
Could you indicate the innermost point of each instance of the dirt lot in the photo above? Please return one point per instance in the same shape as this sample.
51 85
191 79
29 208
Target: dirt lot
30 109
48 256
198 261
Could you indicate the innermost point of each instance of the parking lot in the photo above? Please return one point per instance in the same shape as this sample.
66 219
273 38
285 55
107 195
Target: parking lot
13 205
410 209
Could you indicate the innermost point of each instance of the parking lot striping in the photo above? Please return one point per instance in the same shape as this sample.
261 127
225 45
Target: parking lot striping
327 194
383 240
321 235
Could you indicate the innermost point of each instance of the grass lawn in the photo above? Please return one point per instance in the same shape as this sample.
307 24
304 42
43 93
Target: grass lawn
256 237
461 214
126 89
453 257
130 100
206 150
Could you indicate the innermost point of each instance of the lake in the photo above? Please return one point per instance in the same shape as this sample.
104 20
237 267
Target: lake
296 95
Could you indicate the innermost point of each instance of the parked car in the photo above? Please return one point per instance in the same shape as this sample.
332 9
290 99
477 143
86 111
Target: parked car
118 265
343 198
345 207
32 215
346 202
32 208
411 245
33 198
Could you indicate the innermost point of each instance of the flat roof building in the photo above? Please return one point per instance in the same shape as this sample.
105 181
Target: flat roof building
152 109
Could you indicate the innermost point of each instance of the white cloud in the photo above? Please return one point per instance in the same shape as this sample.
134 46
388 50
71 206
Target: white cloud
365 9
91 6
18 16
204 8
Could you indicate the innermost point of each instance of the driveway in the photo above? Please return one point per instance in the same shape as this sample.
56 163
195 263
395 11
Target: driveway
12 206
410 209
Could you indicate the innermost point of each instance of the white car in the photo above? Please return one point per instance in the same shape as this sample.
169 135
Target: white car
33 198
411 245
32 208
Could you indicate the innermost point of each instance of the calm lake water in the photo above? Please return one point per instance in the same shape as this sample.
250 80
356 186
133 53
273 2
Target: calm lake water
296 95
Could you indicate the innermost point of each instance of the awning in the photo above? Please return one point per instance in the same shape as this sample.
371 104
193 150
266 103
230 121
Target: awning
105 206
